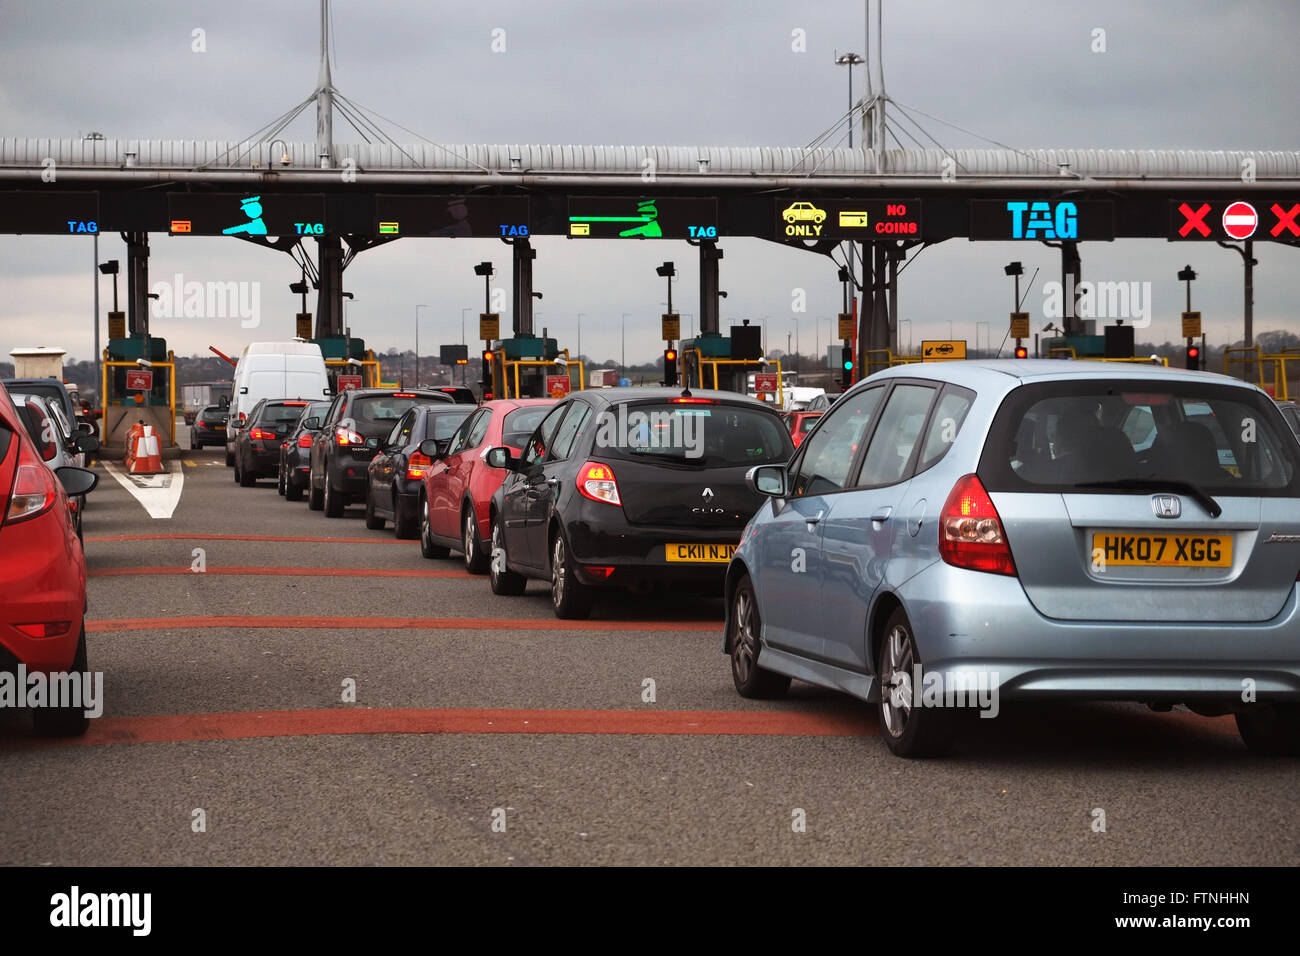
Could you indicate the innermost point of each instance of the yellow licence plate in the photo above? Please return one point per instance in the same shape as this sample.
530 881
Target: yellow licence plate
1161 550
699 553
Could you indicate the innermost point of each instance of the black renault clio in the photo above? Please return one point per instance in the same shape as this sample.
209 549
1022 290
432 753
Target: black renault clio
630 488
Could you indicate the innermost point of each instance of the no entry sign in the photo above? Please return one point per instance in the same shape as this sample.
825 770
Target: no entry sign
1240 220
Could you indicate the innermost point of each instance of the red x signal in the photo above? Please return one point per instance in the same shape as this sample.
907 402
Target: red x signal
1194 219
1286 220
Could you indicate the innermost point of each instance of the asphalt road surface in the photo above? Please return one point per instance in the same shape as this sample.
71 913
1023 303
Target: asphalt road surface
486 732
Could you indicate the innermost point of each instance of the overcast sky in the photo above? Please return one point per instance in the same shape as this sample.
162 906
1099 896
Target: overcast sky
1196 74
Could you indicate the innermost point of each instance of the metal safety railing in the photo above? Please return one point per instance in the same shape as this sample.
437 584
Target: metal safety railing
714 363
504 370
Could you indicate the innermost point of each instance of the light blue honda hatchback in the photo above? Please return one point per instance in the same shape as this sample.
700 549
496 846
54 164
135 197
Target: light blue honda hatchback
956 534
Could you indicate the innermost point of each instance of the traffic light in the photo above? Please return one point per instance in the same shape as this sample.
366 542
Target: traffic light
487 375
1022 352
1193 357
846 364
670 366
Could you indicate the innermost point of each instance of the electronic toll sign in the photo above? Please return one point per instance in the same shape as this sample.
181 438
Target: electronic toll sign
848 218
452 216
1229 220
1038 219
617 217
49 212
246 214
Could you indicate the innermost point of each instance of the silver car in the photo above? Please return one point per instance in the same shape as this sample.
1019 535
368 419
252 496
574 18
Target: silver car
956 534
59 442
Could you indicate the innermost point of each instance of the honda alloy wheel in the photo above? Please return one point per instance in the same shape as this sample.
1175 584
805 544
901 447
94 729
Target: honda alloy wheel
909 728
743 640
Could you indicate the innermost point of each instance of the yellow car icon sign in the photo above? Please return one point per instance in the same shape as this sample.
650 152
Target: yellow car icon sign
803 212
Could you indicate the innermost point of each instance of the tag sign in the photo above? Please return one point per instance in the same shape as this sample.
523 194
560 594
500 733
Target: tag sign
1191 325
846 326
139 380
557 386
303 320
117 325
349 381
943 350
489 326
766 382
1020 325
671 325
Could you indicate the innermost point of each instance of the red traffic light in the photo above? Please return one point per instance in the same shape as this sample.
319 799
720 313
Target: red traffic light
1193 351
670 355
487 355
1022 352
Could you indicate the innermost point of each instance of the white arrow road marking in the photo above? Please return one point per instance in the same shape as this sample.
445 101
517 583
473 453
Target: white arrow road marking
158 494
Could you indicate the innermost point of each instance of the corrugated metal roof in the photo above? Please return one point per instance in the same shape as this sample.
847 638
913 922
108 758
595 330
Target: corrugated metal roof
669 160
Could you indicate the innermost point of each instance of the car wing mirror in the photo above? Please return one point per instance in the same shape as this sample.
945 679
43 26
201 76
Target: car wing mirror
87 443
86 428
76 481
769 480
500 457
372 443
311 424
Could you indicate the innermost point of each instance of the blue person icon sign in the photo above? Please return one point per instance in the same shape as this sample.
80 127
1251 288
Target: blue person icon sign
252 208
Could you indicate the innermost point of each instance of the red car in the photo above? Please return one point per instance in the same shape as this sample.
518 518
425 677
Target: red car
42 570
458 487
800 424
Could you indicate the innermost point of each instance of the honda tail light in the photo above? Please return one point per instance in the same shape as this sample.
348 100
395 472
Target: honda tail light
304 440
596 481
34 488
417 465
970 531
346 436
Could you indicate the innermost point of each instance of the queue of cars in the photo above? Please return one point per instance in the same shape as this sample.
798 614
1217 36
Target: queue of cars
1027 530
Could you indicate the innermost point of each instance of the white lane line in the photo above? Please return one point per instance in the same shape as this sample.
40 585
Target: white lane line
158 494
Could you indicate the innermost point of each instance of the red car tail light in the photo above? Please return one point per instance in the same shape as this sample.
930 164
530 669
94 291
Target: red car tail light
45 628
417 465
346 436
970 530
262 434
34 488
596 481
304 440
598 572
692 401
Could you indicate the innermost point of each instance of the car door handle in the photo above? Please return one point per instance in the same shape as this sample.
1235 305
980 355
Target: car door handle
882 515
553 482
811 520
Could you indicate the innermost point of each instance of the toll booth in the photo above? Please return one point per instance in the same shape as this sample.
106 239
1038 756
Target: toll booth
138 383
725 362
526 366
349 364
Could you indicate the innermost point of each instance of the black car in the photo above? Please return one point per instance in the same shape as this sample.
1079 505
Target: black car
257 446
460 394
396 473
50 388
295 451
630 488
209 427
340 455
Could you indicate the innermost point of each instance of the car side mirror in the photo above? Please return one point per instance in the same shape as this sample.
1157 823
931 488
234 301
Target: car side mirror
86 428
500 457
372 442
87 443
770 480
435 447
311 424
76 481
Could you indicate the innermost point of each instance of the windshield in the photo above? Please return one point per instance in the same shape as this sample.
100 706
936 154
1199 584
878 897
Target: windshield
440 424
708 435
386 408
1079 436
520 424
281 414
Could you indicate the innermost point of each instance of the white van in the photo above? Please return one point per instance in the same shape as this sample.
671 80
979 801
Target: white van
274 370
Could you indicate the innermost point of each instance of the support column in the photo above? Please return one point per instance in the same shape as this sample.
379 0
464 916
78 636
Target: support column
710 254
137 282
524 254
1248 309
329 296
1071 276
881 332
867 285
893 300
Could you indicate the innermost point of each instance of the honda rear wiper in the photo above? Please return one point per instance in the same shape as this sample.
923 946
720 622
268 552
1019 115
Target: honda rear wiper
1160 484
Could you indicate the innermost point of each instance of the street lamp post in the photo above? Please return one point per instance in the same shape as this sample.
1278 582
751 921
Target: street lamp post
579 355
850 60
623 364
417 343
798 348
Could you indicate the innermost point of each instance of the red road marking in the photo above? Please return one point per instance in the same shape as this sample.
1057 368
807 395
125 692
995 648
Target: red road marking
113 625
374 539
179 728
288 572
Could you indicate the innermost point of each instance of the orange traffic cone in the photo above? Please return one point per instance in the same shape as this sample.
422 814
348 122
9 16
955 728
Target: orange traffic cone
147 459
133 433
